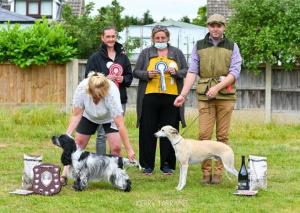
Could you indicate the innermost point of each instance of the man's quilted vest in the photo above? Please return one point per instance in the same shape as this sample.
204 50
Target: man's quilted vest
214 65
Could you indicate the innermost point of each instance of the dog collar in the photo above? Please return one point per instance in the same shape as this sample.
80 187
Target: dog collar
177 142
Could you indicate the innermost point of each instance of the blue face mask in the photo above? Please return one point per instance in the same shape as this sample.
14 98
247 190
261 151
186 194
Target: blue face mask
161 46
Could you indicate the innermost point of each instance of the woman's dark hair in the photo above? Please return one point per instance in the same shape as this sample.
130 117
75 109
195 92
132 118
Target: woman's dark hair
108 28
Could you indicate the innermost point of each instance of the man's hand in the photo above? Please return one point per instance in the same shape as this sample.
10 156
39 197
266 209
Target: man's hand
212 92
179 101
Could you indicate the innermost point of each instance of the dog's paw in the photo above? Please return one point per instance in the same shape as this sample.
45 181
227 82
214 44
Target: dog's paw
77 187
179 188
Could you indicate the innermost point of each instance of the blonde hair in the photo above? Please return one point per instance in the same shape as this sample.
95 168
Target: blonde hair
98 85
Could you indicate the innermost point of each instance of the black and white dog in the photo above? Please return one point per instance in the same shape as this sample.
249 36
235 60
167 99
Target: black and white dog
86 166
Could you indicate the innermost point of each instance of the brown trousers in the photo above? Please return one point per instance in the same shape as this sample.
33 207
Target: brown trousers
211 113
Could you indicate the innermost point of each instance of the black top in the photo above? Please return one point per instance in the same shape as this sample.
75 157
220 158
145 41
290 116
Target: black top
98 60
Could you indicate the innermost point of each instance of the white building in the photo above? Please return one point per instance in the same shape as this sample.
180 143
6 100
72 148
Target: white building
182 35
51 9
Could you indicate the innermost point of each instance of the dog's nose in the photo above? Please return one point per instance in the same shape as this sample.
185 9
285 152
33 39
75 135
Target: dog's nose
128 186
54 140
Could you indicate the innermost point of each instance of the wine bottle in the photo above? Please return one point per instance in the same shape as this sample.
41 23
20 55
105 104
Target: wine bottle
243 178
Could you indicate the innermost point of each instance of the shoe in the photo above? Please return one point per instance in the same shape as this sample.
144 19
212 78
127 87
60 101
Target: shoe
166 170
216 179
147 171
206 179
63 180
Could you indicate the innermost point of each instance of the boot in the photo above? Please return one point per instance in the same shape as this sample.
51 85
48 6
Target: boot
216 179
206 179
206 170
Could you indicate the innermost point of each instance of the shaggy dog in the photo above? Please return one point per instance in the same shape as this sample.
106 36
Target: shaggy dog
86 166
189 151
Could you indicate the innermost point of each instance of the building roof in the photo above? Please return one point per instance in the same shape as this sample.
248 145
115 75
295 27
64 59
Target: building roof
172 23
6 15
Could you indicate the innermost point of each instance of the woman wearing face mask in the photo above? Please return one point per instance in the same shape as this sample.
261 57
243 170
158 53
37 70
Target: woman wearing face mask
160 70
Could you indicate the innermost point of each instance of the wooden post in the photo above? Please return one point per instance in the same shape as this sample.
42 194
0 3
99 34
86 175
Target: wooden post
268 94
71 82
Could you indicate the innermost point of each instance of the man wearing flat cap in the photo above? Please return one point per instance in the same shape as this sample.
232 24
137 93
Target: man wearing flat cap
217 61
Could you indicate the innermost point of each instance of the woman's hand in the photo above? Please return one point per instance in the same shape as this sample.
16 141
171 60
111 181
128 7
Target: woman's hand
119 79
111 77
75 119
152 73
119 121
131 154
171 70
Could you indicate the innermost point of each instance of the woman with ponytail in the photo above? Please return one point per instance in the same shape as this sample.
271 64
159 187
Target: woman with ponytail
97 102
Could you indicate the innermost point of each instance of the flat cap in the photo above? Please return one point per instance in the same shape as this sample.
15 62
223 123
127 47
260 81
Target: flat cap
216 18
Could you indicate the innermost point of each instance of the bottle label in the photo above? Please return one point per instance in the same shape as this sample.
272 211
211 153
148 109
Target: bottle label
243 185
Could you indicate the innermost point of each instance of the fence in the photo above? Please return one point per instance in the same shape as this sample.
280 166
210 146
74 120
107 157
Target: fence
34 85
56 84
251 89
285 90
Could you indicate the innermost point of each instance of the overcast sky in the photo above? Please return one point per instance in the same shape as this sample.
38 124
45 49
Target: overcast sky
171 9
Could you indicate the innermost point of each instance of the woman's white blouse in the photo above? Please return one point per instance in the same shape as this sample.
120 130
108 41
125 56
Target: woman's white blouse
105 111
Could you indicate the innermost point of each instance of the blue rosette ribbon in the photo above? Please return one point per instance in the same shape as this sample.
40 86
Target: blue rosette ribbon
162 67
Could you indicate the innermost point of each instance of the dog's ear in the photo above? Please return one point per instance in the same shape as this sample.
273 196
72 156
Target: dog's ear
68 145
174 131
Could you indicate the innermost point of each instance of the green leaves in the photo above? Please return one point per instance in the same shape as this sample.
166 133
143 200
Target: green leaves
267 31
201 16
86 29
36 45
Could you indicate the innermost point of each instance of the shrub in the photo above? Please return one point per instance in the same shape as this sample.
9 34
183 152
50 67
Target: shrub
267 31
36 45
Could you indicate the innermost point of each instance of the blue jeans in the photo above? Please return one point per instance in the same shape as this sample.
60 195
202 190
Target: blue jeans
101 137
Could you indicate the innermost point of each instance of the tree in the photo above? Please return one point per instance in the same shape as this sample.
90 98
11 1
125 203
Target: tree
267 31
201 16
185 19
147 18
111 15
131 20
164 19
131 44
86 29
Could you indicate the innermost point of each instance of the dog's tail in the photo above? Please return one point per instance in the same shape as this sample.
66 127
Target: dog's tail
231 170
228 162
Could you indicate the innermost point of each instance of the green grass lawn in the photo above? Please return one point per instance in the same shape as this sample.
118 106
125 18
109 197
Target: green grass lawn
27 130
